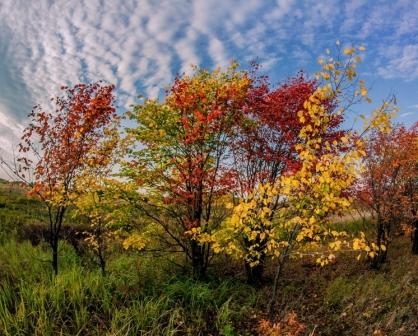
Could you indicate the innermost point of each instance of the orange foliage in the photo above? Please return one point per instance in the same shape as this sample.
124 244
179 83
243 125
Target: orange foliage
289 326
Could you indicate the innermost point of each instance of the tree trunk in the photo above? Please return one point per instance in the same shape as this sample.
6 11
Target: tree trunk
255 273
415 237
102 261
382 234
55 228
279 269
198 260
379 260
54 247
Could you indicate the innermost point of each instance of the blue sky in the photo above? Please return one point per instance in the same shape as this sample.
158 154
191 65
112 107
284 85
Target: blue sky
140 45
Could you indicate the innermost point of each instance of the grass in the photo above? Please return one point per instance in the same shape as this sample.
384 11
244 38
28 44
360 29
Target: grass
80 301
384 300
143 295
17 210
354 226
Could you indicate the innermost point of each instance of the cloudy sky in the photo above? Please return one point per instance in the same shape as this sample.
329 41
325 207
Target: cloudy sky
139 45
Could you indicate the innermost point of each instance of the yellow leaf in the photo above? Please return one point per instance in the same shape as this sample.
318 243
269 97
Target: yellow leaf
348 51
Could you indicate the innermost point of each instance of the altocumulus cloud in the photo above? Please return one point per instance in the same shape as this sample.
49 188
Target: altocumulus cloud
141 45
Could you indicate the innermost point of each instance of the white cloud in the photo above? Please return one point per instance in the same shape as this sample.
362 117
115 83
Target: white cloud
353 14
140 45
406 114
403 63
10 130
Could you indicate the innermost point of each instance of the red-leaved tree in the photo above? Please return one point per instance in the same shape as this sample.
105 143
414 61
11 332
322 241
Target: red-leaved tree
58 146
182 161
264 148
388 185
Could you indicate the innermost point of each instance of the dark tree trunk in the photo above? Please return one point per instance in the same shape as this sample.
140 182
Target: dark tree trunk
382 239
54 247
378 260
102 263
415 237
101 247
55 229
255 273
199 262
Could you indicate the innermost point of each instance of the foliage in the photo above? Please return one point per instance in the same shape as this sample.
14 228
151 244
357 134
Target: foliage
95 203
290 326
265 149
96 195
388 183
181 163
304 200
71 140
264 146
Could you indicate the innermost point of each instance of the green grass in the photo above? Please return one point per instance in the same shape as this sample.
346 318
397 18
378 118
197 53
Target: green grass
17 210
133 299
357 300
145 295
354 226
148 296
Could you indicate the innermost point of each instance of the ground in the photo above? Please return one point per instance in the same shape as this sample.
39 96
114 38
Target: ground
148 295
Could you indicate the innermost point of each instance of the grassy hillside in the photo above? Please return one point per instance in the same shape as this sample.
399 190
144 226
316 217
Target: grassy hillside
17 209
146 295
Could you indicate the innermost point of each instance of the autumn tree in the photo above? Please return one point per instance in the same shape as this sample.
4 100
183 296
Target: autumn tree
388 183
60 145
265 149
318 188
180 162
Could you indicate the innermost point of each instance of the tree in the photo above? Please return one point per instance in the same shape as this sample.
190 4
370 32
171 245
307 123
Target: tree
69 141
309 195
265 150
180 159
388 183
276 150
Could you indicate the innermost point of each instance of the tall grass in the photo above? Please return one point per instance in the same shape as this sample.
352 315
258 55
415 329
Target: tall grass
354 226
129 301
142 295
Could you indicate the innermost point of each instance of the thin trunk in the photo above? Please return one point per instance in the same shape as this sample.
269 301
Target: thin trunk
382 234
102 263
415 237
55 232
54 246
280 265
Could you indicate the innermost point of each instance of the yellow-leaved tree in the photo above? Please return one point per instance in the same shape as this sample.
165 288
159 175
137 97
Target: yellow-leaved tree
305 199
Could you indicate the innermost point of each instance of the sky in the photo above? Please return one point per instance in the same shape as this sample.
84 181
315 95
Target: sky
141 45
